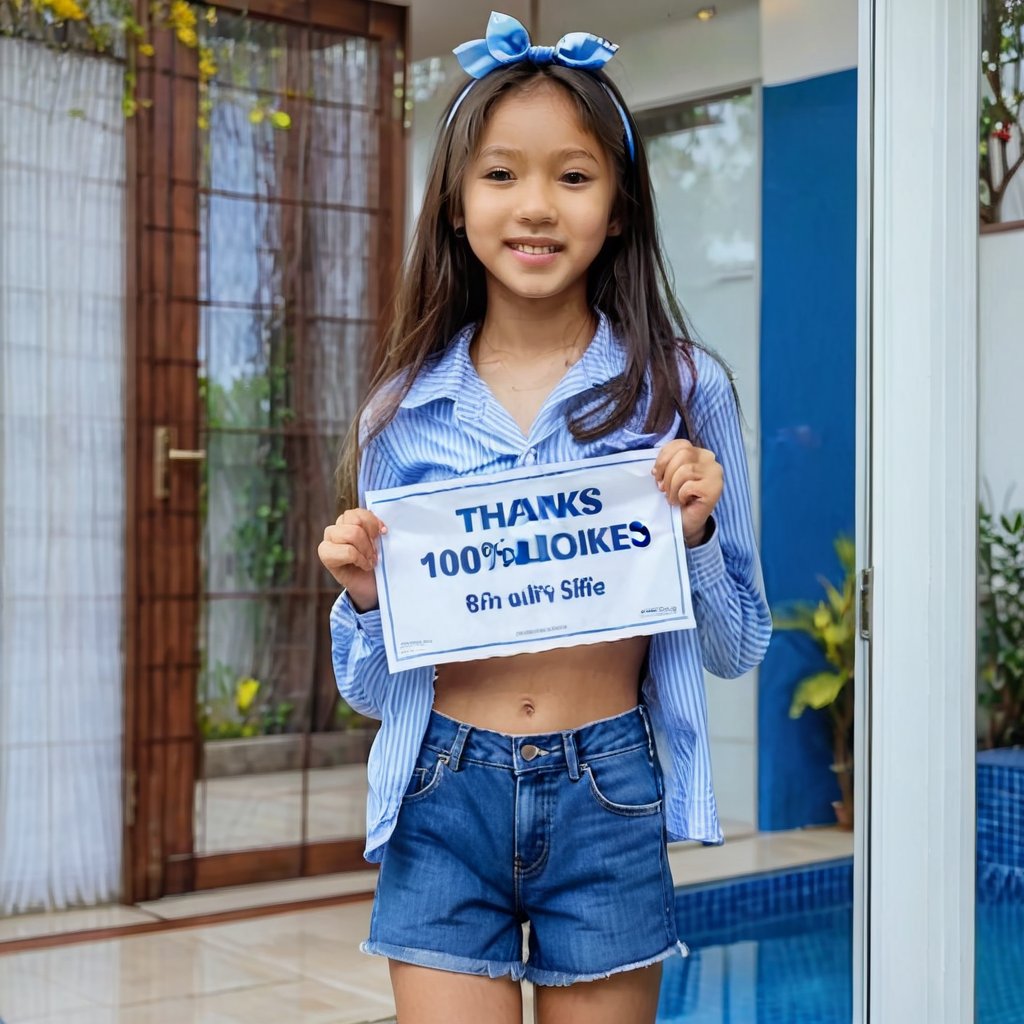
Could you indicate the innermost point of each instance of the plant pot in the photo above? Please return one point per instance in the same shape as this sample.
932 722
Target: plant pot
284 753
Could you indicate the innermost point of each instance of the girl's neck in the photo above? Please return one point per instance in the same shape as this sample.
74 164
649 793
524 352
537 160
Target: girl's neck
527 330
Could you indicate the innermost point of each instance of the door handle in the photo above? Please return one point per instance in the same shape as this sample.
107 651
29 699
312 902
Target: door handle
164 455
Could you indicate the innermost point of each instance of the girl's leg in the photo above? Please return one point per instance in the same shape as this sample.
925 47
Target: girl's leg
424 995
627 998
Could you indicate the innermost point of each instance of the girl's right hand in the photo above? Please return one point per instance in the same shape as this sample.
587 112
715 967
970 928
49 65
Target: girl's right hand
349 553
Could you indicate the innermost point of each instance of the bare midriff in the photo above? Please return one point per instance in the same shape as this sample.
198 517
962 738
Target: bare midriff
547 692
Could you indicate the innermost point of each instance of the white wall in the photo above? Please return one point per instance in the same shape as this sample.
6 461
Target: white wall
805 38
685 59
1001 370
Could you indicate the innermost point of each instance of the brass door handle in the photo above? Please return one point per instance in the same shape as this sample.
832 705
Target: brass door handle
163 456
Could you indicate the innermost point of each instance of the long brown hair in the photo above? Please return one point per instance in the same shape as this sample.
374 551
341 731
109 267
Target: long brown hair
443 288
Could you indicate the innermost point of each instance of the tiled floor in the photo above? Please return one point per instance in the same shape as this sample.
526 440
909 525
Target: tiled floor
302 967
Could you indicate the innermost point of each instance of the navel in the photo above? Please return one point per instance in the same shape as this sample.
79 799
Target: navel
528 708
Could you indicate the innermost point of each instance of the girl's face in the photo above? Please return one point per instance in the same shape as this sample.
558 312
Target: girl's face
537 198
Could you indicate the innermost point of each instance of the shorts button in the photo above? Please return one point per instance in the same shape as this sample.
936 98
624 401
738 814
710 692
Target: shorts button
528 751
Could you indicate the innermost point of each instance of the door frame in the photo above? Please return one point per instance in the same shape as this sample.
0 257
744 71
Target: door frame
917 435
162 575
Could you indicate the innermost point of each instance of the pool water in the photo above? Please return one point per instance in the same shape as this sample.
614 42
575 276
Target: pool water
778 949
785 970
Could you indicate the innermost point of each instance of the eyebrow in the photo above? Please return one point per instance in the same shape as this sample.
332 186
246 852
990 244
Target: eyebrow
510 153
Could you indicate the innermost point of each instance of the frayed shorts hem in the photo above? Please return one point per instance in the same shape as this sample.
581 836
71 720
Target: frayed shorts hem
514 969
563 978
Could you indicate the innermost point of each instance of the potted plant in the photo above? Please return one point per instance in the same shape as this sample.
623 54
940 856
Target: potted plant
1001 627
831 624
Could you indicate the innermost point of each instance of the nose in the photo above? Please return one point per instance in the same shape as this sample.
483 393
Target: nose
535 203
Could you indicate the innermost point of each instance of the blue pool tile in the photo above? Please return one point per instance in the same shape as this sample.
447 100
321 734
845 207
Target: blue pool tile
778 949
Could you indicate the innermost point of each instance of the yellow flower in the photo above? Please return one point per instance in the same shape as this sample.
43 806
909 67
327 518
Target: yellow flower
147 49
245 693
211 15
66 10
256 116
280 119
188 37
207 67
182 15
203 123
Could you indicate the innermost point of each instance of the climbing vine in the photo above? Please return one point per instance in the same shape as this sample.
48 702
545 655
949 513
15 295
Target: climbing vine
113 26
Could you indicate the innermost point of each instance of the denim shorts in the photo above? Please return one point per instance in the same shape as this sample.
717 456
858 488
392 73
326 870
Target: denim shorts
563 830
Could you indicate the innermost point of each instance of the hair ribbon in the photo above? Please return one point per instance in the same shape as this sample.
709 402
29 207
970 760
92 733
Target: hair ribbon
507 42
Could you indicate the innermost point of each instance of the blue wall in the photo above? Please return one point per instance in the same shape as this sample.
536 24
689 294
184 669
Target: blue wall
807 411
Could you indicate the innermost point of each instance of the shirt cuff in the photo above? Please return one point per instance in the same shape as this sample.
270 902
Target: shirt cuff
707 565
344 615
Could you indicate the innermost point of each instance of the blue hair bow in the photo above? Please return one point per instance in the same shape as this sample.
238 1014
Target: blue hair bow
507 42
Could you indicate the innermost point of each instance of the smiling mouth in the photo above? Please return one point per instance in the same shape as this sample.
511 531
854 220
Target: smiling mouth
534 250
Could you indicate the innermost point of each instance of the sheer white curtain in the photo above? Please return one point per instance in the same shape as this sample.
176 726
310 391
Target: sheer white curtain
61 477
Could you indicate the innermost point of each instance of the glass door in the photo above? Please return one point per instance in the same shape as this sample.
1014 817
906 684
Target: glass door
269 226
745 194
999 919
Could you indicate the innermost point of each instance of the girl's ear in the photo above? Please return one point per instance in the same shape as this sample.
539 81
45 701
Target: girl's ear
614 227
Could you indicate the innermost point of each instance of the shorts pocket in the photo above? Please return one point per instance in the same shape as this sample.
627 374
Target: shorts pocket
426 777
625 783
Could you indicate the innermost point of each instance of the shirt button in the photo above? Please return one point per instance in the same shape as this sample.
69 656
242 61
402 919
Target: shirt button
529 456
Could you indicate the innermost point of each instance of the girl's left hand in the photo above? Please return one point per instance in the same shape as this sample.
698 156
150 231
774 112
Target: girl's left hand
692 479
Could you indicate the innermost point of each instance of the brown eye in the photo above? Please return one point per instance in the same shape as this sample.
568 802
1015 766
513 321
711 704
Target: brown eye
574 178
498 174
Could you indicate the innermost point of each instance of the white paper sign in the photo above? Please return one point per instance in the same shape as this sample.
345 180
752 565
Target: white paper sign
528 560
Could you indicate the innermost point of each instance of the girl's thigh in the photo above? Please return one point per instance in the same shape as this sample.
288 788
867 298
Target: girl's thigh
425 995
630 997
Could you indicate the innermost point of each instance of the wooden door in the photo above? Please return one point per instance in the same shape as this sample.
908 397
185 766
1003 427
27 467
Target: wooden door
268 231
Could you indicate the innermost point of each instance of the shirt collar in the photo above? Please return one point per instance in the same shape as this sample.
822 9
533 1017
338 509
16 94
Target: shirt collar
451 374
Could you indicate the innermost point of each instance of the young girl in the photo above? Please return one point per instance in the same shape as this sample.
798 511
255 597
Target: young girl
534 325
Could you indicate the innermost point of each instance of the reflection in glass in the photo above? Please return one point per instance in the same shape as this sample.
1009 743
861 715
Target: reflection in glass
704 169
999 925
776 947
289 222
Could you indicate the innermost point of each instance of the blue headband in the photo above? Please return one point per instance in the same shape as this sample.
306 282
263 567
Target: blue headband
507 42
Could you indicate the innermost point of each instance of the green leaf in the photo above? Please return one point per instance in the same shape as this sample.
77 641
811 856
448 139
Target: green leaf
817 691
846 552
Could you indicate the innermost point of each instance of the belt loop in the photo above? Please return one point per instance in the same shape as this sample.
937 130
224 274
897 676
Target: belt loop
572 762
645 716
455 754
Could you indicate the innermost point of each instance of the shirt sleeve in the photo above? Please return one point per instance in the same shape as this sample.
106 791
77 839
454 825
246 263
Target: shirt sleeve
733 620
357 638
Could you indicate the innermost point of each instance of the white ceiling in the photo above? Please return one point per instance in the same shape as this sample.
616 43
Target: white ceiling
435 26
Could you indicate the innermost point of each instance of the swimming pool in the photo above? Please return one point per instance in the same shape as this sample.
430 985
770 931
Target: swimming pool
778 949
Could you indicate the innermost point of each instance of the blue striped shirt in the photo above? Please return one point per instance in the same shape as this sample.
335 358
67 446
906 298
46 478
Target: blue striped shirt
450 425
